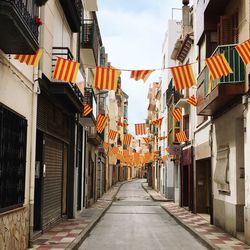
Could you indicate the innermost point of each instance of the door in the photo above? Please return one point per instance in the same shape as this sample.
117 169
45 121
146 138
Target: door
52 181
184 186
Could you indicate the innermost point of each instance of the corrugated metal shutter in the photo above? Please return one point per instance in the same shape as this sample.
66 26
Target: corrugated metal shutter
52 188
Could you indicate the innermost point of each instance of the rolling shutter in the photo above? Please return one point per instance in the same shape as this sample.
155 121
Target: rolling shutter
52 185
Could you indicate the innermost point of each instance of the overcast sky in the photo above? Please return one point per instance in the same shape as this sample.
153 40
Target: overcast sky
133 32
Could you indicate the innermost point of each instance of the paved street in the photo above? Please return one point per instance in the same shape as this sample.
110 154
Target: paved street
135 221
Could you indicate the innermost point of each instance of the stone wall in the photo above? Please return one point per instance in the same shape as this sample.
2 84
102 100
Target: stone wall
14 229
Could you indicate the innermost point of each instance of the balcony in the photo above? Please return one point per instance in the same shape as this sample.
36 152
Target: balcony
19 32
214 95
90 5
90 41
73 12
95 138
90 119
68 93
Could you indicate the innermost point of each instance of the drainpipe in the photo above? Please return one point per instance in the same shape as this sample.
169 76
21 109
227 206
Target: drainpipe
33 155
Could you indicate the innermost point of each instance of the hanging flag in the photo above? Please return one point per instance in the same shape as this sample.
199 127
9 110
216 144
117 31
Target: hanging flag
243 50
115 150
158 122
162 137
164 158
106 78
30 59
146 140
218 66
140 129
183 76
177 114
141 74
167 149
86 109
121 124
101 122
66 70
112 134
105 145
192 100
127 139
181 136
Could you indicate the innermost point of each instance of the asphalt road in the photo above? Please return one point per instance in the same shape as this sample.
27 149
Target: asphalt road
136 222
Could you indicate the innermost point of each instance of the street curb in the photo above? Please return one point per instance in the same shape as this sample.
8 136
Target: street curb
206 242
152 197
84 234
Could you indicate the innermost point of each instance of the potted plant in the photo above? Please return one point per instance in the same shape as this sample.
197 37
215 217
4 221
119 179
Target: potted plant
41 2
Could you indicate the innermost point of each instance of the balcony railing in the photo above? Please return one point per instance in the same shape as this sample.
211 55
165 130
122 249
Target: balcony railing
215 94
91 38
60 87
19 31
94 137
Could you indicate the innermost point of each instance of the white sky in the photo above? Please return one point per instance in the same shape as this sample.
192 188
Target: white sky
133 32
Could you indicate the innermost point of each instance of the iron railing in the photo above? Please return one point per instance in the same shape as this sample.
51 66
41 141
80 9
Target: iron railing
27 11
90 36
65 53
235 62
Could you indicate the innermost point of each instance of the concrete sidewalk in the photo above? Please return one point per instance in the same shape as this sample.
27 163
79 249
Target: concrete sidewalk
69 234
212 236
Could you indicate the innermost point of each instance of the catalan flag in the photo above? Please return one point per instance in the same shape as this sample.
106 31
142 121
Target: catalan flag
141 74
181 136
121 124
106 78
183 76
162 137
127 139
158 122
177 114
112 134
86 109
164 158
66 70
192 100
105 145
101 122
146 140
218 66
243 50
30 59
140 129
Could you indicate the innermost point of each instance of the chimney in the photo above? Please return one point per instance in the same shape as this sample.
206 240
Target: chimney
185 18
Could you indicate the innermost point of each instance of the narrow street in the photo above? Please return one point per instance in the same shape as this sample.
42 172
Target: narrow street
135 221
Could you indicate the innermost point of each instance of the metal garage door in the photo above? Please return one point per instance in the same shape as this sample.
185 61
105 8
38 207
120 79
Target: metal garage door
52 185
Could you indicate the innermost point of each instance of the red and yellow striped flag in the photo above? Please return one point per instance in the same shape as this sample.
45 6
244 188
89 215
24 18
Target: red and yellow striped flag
183 76
86 109
158 122
106 78
112 134
127 139
192 100
177 114
181 136
146 140
105 145
140 129
66 70
30 59
162 137
218 66
121 124
164 158
141 74
243 50
101 122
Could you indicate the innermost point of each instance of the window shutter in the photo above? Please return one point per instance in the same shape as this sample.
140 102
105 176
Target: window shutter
226 30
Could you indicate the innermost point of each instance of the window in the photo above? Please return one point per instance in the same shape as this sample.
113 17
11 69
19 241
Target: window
13 132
